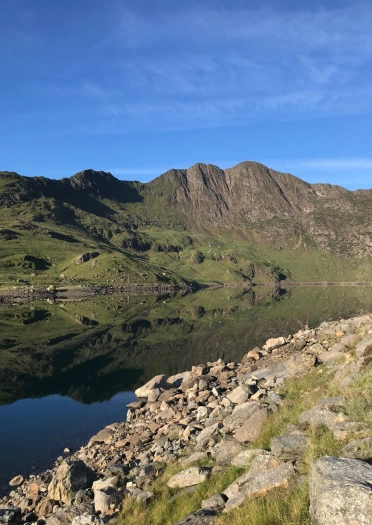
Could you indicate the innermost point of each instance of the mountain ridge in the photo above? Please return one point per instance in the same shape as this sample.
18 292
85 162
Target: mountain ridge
203 222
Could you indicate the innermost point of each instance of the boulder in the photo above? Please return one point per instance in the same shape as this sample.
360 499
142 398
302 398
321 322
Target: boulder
262 462
227 449
275 343
155 382
103 436
86 257
66 515
244 458
289 448
16 481
216 502
251 429
358 448
327 357
340 491
238 396
153 395
247 486
177 380
11 516
299 364
189 477
320 416
205 435
71 476
240 415
106 499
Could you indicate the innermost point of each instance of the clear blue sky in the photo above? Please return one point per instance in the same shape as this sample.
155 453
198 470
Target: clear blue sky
138 87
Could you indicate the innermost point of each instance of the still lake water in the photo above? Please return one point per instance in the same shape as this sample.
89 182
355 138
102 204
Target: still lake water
69 368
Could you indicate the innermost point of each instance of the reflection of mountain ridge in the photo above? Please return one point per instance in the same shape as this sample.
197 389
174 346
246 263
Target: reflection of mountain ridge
138 337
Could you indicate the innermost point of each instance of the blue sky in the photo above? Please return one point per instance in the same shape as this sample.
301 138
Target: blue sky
139 87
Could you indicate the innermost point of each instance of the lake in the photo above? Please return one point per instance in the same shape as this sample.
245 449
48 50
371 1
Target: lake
69 367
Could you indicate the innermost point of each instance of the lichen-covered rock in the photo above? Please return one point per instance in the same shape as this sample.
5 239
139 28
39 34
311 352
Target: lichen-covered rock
69 478
340 491
290 447
245 457
216 502
320 416
252 487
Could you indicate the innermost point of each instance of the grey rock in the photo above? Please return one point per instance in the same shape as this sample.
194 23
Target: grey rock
244 458
205 435
70 477
11 516
200 517
262 462
333 355
320 416
153 395
177 380
290 447
216 502
238 395
86 257
240 415
67 515
275 343
106 499
226 449
358 449
364 346
251 429
250 487
340 491
189 477
155 382
299 364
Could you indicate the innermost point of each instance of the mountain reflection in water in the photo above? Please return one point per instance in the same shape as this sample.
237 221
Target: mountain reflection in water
90 350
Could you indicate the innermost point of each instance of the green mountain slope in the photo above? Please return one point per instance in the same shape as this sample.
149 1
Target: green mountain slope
203 224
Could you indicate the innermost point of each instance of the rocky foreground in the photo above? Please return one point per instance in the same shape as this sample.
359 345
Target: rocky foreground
205 420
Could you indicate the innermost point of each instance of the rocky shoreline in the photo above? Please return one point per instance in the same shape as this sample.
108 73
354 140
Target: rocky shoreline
215 412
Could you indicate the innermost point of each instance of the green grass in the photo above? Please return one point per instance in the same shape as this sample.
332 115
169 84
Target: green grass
165 510
281 507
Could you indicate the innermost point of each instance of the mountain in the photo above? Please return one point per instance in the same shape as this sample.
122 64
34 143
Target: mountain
204 224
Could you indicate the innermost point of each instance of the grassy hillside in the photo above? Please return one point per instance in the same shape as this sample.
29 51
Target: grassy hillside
145 234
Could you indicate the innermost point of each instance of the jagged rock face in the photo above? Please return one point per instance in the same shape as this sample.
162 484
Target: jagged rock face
265 205
246 193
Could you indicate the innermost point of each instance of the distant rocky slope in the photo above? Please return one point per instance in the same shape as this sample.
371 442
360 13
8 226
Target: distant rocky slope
200 224
283 436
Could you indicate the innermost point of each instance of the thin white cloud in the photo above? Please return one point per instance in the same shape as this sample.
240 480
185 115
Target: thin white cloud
205 65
